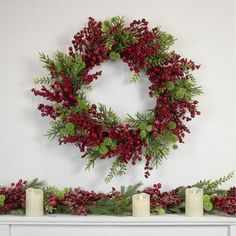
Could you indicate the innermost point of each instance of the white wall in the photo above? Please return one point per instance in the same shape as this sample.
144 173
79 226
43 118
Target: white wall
206 33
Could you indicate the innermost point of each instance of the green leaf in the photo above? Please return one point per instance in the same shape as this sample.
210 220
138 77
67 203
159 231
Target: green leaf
114 56
107 141
108 117
148 128
206 198
103 150
172 125
208 206
63 131
35 183
118 168
161 211
180 93
143 134
170 86
172 138
175 146
113 146
135 77
2 200
142 126
70 126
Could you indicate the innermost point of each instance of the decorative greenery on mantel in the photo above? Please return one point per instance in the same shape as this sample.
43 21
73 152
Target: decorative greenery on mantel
77 201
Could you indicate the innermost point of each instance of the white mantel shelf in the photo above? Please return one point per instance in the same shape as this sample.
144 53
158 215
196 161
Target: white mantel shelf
167 225
113 220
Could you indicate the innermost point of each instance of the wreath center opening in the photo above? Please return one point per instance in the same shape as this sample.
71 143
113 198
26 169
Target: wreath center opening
115 89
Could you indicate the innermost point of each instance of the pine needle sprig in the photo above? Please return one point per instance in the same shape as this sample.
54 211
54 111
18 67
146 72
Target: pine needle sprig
43 80
109 118
210 186
134 78
114 206
54 130
35 183
127 192
118 168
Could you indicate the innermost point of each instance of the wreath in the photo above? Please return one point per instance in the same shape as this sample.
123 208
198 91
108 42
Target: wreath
95 129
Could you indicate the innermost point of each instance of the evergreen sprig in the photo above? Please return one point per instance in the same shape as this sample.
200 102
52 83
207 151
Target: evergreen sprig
134 78
158 150
43 80
108 117
165 40
63 64
35 183
121 38
210 187
118 168
114 206
54 130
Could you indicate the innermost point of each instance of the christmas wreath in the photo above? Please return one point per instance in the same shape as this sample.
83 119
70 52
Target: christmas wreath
97 130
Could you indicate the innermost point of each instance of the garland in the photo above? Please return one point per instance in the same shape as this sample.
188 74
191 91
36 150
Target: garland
81 202
97 130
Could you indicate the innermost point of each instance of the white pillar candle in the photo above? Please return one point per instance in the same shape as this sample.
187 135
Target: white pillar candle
141 204
34 202
194 202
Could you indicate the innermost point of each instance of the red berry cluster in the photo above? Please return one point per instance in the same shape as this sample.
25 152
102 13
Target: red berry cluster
14 196
89 43
226 203
78 200
168 109
162 199
129 146
136 54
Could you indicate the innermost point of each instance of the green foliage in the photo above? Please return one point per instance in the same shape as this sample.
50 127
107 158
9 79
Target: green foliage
43 80
186 88
128 192
60 194
172 125
35 183
209 187
55 129
118 168
69 66
159 210
117 207
158 149
180 93
170 86
115 56
191 86
47 61
108 117
165 41
135 77
2 200
207 204
93 156
121 38
141 121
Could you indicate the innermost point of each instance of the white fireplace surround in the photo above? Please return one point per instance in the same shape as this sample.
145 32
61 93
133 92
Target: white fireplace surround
167 225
